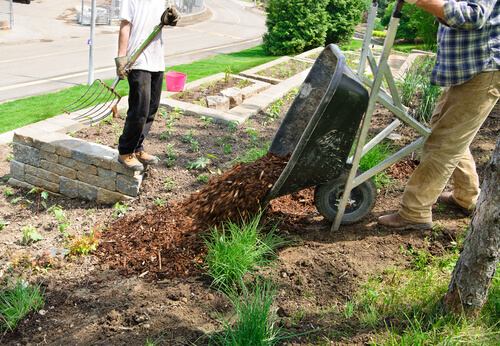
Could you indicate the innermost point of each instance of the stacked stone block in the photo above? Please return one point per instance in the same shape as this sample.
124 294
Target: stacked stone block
71 167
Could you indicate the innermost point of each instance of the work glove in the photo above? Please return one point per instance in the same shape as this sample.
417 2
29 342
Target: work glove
120 63
170 17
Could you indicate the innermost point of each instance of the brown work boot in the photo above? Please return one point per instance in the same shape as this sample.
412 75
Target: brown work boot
146 159
447 198
398 223
131 162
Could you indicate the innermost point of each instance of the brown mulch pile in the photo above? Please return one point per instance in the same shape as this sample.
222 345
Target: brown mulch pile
235 193
165 243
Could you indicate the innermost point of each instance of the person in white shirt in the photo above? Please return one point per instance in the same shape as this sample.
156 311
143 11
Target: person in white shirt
145 77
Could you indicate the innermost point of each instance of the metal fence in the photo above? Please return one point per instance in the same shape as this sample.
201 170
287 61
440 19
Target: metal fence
108 11
6 14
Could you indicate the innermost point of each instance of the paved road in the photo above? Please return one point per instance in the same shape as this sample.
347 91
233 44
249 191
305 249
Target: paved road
47 51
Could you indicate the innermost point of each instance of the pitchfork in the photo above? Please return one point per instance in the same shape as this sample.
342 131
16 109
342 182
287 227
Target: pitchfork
100 100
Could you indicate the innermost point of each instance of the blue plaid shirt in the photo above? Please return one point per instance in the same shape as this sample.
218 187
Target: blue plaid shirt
468 43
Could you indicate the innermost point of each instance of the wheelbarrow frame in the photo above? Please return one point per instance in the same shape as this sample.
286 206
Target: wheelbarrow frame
379 94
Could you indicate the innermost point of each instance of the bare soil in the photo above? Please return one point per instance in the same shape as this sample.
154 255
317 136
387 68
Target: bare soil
145 280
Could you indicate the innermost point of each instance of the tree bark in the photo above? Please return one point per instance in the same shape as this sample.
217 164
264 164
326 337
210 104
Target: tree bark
479 259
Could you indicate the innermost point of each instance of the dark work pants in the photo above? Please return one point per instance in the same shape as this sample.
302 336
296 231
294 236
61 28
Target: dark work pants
143 103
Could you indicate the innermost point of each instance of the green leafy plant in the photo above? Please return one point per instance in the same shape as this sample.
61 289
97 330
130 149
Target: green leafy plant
42 197
169 184
206 120
232 127
2 225
188 138
119 208
202 178
61 216
171 155
159 202
19 298
10 157
30 235
9 191
227 72
84 244
200 163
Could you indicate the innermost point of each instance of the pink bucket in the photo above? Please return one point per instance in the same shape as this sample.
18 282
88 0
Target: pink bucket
175 81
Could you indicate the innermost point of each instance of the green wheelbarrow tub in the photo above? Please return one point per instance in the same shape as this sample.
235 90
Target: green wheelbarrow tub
320 126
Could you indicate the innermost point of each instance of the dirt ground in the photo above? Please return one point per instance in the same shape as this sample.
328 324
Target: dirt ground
110 297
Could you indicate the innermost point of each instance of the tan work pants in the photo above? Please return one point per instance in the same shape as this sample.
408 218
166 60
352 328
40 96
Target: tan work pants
459 113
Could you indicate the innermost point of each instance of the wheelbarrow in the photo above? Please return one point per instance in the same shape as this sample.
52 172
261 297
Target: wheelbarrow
319 130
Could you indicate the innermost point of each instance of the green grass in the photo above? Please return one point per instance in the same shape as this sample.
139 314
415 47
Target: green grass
376 155
32 109
16 301
411 297
254 321
238 249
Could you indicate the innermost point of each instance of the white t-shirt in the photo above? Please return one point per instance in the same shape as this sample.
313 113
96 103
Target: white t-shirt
144 15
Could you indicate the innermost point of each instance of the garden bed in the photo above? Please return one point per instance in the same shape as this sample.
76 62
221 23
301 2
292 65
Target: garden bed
95 300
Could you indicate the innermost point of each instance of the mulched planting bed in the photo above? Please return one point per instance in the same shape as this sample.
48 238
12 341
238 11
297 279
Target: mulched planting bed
165 243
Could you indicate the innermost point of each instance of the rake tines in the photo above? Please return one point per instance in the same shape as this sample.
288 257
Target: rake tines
98 102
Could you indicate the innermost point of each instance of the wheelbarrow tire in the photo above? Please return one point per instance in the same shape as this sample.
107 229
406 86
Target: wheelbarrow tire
327 196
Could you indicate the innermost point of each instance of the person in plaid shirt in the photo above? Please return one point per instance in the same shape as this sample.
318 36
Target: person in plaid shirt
467 66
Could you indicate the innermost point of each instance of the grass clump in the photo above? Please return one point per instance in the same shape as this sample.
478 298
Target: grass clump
238 249
16 301
416 89
254 321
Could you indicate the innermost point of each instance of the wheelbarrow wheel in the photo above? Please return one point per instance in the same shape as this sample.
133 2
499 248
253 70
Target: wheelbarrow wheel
327 197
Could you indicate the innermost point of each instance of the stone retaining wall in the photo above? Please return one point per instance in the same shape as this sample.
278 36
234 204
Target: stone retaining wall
71 167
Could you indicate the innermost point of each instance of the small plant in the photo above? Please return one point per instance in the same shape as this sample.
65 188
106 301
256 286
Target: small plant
84 244
232 127
171 155
23 203
42 197
188 138
227 73
202 178
119 208
10 157
159 202
9 191
16 301
194 146
254 136
200 163
61 216
2 225
99 126
30 235
169 184
206 120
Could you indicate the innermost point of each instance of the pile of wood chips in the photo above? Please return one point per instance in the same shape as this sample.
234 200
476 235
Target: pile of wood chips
165 243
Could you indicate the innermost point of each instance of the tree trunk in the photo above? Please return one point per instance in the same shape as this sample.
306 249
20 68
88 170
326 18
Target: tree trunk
477 264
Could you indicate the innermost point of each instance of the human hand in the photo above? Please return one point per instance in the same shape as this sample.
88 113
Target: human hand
120 63
170 17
